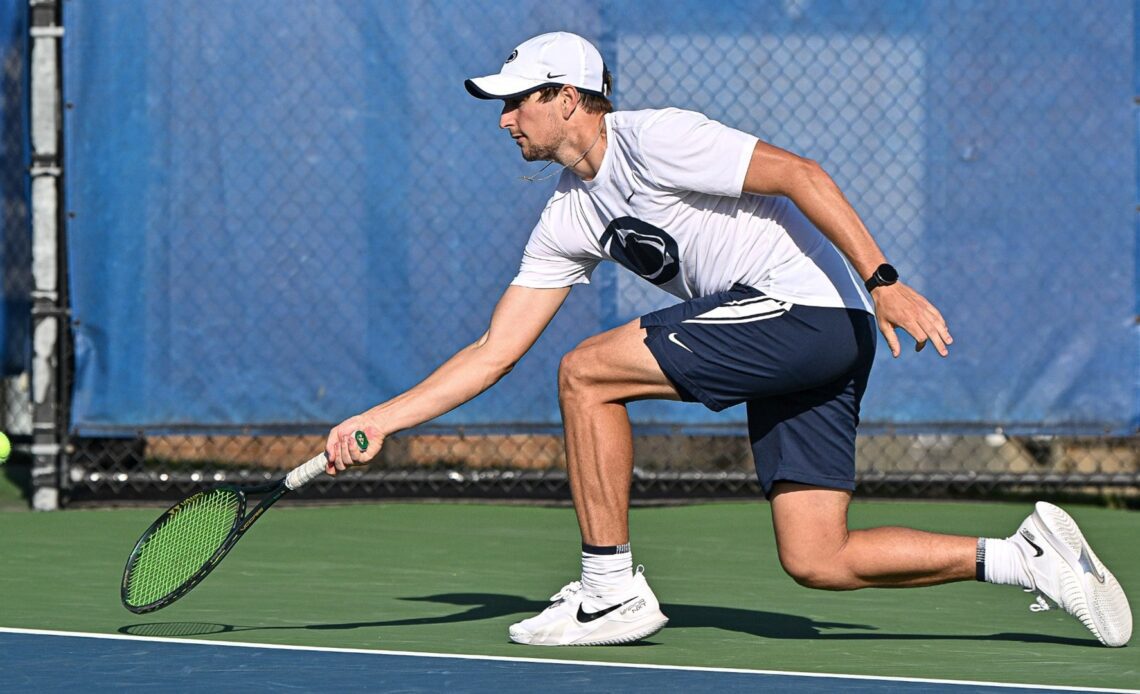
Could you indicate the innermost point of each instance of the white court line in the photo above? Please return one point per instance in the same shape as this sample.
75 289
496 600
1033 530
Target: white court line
540 661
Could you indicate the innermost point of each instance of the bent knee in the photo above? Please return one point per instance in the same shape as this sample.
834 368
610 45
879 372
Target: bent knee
817 571
575 373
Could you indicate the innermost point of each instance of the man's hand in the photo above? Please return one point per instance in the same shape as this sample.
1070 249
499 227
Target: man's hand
899 306
341 446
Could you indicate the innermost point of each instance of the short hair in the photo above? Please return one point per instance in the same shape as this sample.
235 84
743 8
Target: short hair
591 102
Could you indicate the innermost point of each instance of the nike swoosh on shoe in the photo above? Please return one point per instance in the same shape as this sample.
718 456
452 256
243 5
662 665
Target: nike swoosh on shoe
1034 545
585 617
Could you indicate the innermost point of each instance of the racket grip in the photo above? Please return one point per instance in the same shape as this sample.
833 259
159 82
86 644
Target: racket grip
306 472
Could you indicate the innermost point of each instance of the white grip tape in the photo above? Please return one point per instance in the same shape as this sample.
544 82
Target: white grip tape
306 472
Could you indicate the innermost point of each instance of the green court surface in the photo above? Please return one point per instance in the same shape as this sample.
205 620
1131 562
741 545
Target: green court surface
450 578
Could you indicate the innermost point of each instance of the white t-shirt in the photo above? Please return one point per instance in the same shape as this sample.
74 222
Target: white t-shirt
667 204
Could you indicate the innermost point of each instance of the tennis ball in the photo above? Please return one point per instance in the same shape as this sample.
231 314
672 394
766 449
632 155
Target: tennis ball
5 448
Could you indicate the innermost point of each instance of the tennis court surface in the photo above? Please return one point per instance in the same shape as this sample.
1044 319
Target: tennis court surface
418 597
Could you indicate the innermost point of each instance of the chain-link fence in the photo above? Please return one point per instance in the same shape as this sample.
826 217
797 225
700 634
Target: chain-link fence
15 242
677 467
283 213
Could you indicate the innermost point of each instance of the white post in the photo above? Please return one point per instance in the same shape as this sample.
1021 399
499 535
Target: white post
47 302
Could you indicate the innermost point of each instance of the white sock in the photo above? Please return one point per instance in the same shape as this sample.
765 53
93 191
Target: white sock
1003 562
606 570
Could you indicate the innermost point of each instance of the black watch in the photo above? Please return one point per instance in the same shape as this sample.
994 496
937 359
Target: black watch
885 275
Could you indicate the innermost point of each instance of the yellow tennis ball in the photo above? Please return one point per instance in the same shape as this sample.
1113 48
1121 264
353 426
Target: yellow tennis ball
5 448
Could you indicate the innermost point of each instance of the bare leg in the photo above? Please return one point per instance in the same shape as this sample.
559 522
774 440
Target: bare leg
595 381
818 550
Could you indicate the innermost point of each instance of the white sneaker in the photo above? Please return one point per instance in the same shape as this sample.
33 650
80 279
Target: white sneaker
1065 570
633 615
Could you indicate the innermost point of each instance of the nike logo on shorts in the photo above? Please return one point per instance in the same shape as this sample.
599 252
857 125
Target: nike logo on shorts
674 340
585 617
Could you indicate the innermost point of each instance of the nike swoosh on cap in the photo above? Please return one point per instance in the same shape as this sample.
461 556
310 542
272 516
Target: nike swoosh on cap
551 76
585 617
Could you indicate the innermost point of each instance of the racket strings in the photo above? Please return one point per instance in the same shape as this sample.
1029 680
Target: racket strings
182 545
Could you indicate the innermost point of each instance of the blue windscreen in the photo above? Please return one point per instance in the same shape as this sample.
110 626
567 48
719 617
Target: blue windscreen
283 213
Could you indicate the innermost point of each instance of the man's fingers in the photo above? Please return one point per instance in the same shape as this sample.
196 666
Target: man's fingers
947 338
907 310
941 332
330 453
938 333
344 455
939 344
374 441
342 447
888 332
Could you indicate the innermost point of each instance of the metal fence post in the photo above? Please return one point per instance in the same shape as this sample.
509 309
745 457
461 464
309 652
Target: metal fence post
48 301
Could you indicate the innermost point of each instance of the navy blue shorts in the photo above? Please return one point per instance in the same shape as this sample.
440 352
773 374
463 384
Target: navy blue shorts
802 371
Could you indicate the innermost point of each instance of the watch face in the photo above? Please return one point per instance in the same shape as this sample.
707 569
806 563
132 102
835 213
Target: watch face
887 274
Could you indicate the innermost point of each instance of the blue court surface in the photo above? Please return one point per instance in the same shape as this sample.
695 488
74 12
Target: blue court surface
45 661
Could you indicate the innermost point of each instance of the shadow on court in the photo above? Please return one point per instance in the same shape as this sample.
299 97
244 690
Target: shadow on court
482 606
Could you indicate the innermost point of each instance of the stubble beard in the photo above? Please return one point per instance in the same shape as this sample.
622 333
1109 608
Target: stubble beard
535 153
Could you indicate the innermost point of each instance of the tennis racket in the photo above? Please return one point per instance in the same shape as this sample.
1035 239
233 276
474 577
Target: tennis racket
187 542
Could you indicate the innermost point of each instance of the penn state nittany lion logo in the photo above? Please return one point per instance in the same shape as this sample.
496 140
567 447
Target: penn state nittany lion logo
643 248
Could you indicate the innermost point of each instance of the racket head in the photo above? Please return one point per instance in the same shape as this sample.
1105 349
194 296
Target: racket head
180 548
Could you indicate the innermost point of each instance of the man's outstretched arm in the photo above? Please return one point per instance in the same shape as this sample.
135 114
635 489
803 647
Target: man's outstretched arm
519 318
774 171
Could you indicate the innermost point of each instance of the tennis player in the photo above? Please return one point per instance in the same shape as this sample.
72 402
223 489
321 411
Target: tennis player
781 289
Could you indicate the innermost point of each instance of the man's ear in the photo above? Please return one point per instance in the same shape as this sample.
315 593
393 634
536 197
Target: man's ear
569 98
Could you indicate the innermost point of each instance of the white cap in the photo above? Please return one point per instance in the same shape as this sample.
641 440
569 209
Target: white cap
544 61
